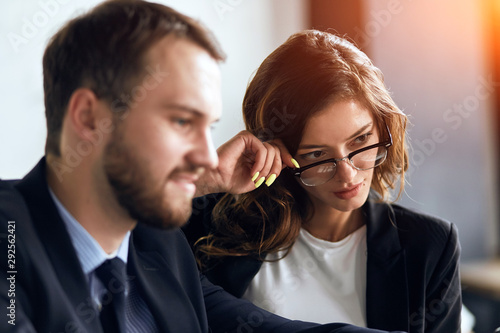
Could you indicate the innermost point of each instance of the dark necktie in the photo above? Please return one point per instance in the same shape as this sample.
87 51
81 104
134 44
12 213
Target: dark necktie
113 276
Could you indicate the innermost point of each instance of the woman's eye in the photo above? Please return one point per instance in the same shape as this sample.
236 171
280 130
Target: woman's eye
313 155
362 138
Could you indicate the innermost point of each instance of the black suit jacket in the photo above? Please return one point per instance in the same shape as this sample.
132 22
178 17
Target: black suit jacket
50 293
413 281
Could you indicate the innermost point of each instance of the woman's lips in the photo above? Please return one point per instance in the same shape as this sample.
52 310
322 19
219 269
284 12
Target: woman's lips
348 193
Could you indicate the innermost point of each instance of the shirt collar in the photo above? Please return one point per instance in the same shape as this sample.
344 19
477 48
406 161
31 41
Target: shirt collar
89 252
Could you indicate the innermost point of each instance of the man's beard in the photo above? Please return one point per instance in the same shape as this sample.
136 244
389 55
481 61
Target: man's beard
142 197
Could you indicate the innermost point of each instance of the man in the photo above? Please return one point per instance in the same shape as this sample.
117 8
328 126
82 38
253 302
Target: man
90 236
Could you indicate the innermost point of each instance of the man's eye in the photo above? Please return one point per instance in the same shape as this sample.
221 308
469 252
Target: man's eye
182 121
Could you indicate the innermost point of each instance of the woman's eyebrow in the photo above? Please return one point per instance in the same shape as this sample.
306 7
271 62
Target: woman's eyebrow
360 131
357 133
311 146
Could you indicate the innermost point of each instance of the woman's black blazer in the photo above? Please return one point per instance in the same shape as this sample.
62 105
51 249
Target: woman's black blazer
412 281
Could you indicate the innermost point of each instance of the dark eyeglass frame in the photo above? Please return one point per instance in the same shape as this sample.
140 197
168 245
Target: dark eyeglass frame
386 144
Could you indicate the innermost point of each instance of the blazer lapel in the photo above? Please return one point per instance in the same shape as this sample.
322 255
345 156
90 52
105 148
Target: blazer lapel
165 296
387 283
52 232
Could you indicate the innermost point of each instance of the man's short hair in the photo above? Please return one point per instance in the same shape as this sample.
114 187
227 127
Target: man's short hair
104 50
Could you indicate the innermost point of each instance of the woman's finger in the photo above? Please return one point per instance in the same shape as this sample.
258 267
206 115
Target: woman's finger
286 157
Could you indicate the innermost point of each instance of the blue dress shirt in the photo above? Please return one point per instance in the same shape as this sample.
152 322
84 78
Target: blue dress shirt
91 255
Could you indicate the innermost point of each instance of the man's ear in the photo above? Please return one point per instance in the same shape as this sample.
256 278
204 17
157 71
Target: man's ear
83 112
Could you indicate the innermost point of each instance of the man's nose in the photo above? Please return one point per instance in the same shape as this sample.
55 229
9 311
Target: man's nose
204 153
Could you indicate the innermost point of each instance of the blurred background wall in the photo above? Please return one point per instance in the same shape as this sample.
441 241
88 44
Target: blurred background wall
247 29
440 59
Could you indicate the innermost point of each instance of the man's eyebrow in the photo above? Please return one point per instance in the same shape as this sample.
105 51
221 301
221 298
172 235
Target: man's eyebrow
184 108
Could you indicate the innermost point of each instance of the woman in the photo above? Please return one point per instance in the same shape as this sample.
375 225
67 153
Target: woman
323 243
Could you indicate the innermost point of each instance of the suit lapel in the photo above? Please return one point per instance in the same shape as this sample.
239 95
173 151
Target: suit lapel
387 283
160 288
52 232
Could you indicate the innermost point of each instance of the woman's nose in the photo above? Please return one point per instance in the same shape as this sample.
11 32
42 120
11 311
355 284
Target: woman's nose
345 171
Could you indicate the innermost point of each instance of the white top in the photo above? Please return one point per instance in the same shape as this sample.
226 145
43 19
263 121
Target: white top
318 281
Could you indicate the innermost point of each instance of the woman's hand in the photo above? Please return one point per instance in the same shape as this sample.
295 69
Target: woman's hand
245 163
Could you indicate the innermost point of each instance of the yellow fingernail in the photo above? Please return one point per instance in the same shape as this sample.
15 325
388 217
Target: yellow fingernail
295 163
255 176
271 179
260 181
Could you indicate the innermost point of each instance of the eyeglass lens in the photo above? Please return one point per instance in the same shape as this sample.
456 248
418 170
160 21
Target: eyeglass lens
364 160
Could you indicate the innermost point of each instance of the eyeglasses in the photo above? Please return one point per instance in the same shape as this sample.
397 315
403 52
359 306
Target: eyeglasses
365 158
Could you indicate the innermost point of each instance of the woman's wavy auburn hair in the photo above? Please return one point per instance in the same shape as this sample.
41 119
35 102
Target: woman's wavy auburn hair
311 70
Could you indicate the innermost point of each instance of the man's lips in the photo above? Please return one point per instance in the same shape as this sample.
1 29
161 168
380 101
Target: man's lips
186 183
